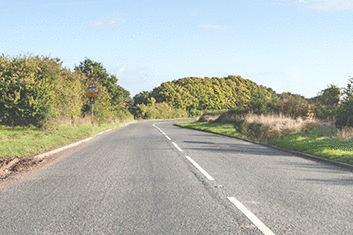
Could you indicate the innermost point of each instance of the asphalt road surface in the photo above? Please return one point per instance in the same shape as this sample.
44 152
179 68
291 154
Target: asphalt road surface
156 178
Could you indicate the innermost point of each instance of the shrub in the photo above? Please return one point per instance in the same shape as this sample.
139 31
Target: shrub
28 89
158 111
38 90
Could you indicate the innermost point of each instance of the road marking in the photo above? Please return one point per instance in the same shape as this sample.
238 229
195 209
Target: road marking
176 146
208 176
263 228
162 131
62 148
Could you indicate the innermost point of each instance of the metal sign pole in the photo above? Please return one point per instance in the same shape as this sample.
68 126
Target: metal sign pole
92 112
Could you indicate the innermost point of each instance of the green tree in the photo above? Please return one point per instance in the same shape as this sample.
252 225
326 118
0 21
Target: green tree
344 115
327 102
293 105
28 89
119 98
194 94
96 72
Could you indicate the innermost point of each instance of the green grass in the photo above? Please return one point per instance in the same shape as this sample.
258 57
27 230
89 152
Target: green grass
331 148
29 141
312 142
222 128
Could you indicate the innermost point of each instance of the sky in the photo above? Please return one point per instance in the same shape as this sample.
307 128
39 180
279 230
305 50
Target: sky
297 46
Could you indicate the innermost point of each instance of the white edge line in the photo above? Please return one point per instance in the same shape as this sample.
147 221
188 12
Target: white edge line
104 131
40 156
176 146
168 137
208 176
62 148
264 229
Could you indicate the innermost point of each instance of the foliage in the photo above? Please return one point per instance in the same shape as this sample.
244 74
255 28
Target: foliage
327 102
158 111
259 127
262 100
293 105
96 72
28 89
345 109
195 94
38 90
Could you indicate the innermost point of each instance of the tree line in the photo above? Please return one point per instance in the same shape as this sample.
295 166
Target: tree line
37 90
195 95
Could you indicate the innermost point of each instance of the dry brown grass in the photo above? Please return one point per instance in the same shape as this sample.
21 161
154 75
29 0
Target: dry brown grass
345 134
278 122
63 121
208 117
282 123
82 121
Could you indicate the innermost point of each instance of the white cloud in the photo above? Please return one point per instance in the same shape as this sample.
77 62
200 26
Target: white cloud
135 78
218 28
107 22
331 5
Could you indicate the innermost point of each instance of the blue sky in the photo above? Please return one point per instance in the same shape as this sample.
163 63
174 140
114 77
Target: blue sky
293 46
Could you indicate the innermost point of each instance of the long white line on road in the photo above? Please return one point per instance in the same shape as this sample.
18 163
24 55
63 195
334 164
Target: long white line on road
176 146
263 228
208 176
62 148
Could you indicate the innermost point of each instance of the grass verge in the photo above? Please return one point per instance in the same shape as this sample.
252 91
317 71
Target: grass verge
311 142
29 141
222 128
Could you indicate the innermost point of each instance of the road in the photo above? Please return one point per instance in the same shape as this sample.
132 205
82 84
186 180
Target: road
156 178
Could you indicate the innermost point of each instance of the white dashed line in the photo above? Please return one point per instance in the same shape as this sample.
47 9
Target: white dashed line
162 132
208 176
176 146
263 228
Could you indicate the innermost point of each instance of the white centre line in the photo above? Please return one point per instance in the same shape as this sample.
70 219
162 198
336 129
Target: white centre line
263 228
162 131
176 146
208 176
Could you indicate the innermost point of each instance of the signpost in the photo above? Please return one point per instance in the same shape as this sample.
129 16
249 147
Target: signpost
91 94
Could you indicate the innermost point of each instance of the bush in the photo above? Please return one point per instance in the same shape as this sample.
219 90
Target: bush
345 110
28 89
158 111
38 90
